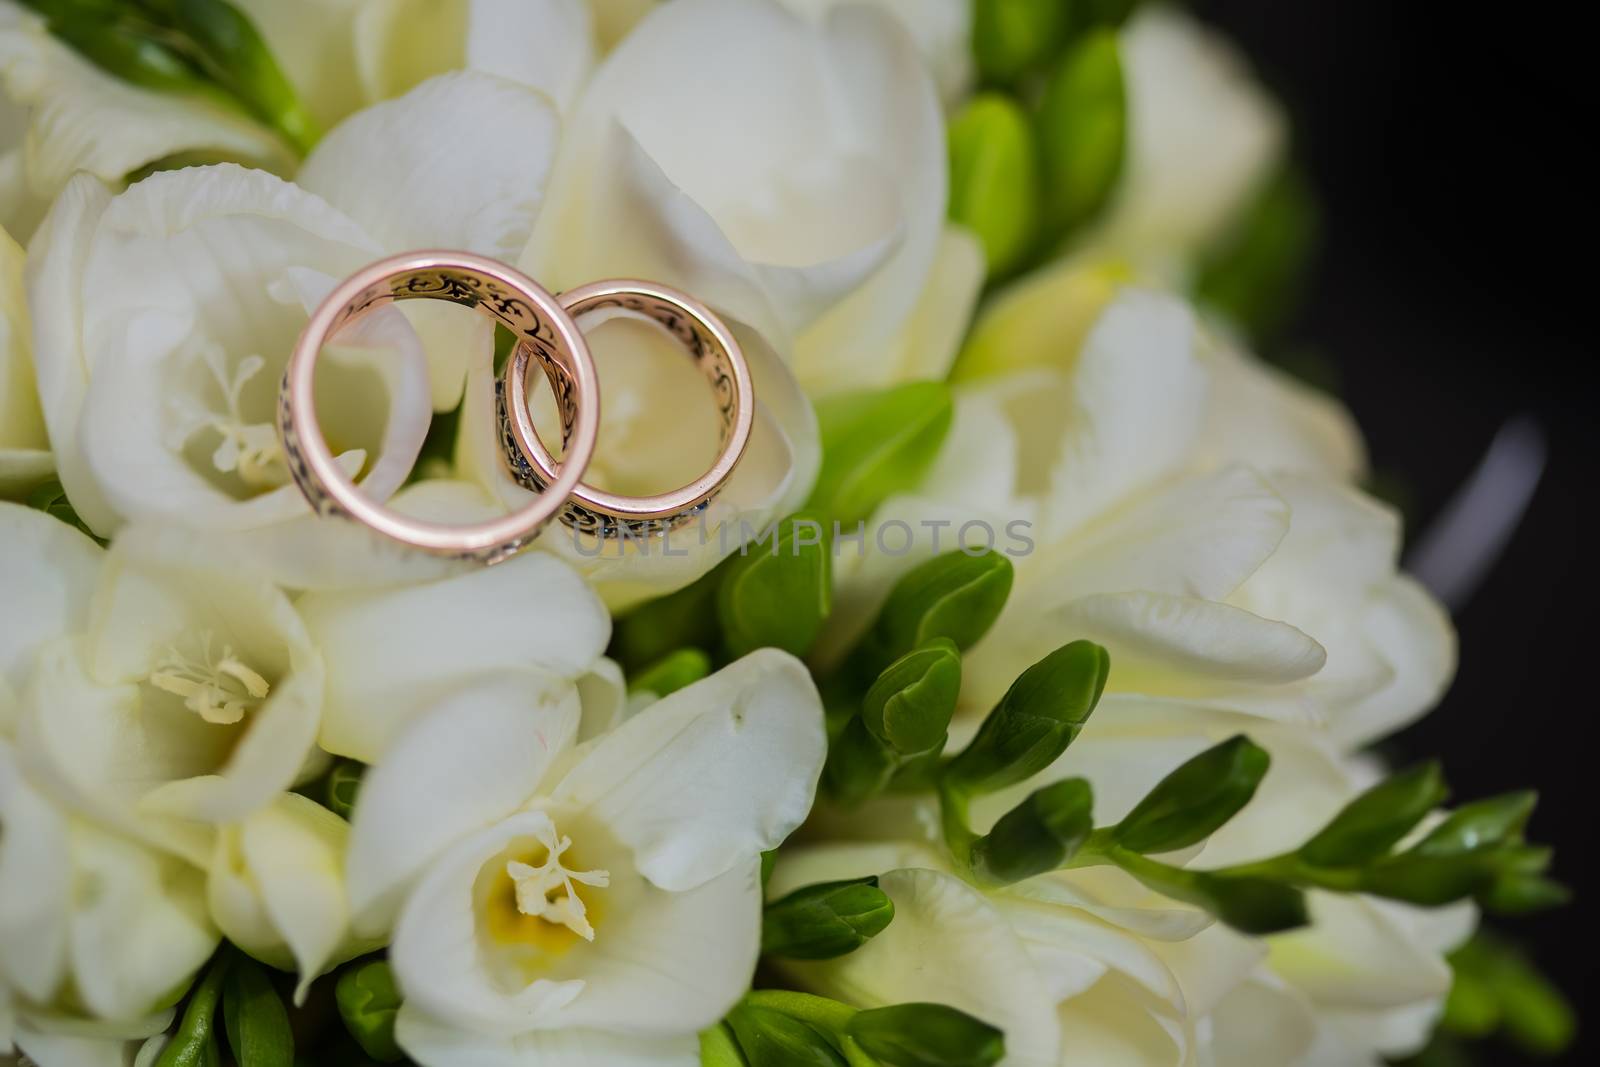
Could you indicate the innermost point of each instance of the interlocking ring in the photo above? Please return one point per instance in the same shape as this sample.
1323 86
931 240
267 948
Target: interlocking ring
544 331
717 355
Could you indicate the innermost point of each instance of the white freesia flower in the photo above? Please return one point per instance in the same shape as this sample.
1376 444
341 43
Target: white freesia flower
163 317
942 30
72 117
276 888
1203 135
1088 968
1213 552
98 934
809 204
191 696
393 654
24 448
590 905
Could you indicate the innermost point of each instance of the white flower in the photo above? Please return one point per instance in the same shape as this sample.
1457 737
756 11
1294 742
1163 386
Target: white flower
24 449
1202 137
809 204
590 905
72 116
163 317
191 696
1213 552
276 888
97 933
1087 967
942 30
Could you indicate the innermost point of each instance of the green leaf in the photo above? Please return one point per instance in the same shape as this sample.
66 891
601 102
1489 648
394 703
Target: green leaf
1374 822
135 57
195 1043
994 178
671 672
343 787
956 595
1255 275
1479 824
1010 38
770 1038
233 53
1083 130
910 705
1040 834
876 443
927 1035
256 1021
368 1000
778 596
824 921
1040 715
1198 798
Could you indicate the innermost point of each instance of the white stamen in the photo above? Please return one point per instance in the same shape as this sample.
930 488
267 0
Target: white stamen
219 690
249 449
546 891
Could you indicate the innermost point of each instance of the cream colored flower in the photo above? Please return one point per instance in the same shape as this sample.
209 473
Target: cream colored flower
71 116
1202 137
98 934
584 905
276 888
809 204
942 30
159 391
24 449
1184 508
1088 968
192 696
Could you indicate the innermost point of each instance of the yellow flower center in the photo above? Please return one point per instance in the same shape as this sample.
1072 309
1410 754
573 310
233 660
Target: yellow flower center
218 688
537 898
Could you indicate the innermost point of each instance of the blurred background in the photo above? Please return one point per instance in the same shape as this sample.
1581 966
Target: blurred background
1450 295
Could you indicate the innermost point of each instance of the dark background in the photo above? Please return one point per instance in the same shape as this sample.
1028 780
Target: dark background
1449 145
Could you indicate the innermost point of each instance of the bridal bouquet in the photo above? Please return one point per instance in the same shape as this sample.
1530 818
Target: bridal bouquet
1011 704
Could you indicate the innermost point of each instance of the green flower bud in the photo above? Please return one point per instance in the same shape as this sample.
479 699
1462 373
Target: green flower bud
1374 822
876 443
343 787
1256 906
1480 824
1040 834
1194 801
926 1035
859 765
1083 131
1522 894
1507 992
821 922
195 1043
1012 37
1040 715
1429 881
770 1038
954 595
909 707
1254 275
233 53
778 594
657 628
719 1049
368 1001
994 178
671 672
256 1021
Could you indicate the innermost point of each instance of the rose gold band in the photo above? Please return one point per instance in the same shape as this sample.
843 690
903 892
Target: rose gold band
544 331
717 355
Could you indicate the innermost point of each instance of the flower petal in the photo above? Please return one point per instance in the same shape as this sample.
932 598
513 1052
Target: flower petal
531 611
436 1044
477 756
48 570
35 878
710 775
